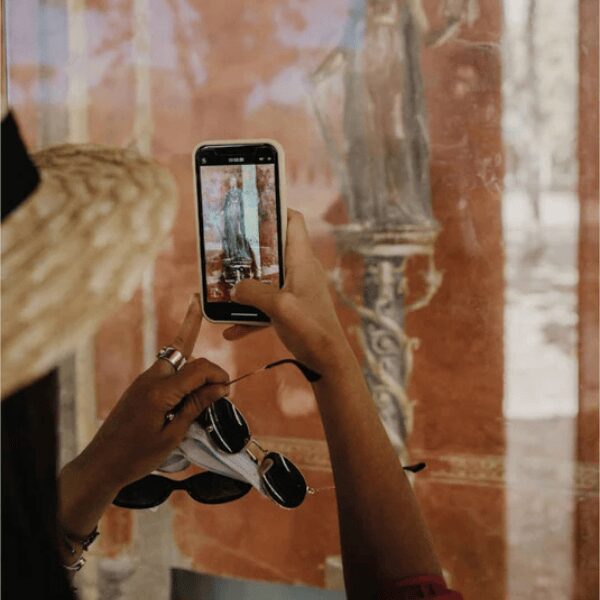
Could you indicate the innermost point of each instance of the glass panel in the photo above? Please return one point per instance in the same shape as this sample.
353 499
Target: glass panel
540 220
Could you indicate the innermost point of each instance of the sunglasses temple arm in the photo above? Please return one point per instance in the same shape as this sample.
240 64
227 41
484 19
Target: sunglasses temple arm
308 373
244 376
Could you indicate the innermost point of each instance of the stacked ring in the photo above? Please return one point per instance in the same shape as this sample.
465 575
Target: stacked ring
176 359
173 356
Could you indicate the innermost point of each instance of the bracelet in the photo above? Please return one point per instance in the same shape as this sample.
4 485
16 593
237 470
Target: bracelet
85 543
77 565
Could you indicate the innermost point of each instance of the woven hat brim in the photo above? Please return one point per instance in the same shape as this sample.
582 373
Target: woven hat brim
76 249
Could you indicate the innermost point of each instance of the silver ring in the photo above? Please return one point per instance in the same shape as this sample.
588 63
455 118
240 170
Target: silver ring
173 356
170 416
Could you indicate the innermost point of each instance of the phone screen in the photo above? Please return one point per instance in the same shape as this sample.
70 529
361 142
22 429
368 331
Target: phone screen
239 208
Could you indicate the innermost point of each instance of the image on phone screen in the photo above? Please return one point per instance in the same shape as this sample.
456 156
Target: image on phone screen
240 227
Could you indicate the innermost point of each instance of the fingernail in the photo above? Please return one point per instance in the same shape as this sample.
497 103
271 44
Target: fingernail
233 291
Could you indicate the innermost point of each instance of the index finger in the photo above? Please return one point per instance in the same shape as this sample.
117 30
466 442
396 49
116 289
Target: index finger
190 328
298 246
186 336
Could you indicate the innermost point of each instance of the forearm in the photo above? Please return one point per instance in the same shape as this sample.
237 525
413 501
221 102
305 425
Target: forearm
382 531
84 495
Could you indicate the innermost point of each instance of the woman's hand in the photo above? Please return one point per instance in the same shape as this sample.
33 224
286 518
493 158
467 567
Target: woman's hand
135 439
302 312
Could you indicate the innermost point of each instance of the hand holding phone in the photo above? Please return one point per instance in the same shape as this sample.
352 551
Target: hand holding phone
303 314
240 223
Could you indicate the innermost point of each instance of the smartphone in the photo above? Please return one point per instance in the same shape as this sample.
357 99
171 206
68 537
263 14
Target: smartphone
241 219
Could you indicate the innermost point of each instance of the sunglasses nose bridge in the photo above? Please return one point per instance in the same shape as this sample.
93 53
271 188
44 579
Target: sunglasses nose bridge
252 455
179 484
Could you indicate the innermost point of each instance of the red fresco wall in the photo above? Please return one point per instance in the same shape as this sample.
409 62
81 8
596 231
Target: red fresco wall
458 376
212 76
469 251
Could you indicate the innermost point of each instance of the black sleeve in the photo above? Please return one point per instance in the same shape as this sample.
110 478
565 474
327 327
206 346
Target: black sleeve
19 175
31 566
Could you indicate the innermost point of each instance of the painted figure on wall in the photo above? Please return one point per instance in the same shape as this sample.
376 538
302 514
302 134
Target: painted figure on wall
235 242
238 262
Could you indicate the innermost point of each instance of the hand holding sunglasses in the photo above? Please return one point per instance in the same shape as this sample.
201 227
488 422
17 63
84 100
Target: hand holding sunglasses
280 480
226 429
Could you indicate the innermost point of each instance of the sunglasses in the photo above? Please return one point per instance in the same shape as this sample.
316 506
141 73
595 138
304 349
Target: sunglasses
206 487
228 430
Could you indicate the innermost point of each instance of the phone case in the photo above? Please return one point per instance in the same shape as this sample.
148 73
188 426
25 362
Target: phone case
282 216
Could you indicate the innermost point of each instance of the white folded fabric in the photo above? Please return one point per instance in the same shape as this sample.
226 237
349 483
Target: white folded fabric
197 448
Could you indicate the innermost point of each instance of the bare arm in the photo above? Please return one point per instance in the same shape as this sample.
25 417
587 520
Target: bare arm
383 535
133 440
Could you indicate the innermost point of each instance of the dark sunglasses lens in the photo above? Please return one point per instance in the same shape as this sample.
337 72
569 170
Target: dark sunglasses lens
211 488
147 492
283 481
226 426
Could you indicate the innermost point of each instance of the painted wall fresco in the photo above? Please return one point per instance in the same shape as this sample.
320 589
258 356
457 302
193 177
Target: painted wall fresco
511 489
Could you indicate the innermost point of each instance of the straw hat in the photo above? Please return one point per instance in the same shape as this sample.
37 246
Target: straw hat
75 250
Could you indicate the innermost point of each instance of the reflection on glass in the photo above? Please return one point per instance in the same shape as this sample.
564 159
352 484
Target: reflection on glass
540 218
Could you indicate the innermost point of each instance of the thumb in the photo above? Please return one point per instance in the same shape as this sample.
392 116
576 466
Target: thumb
253 293
197 400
